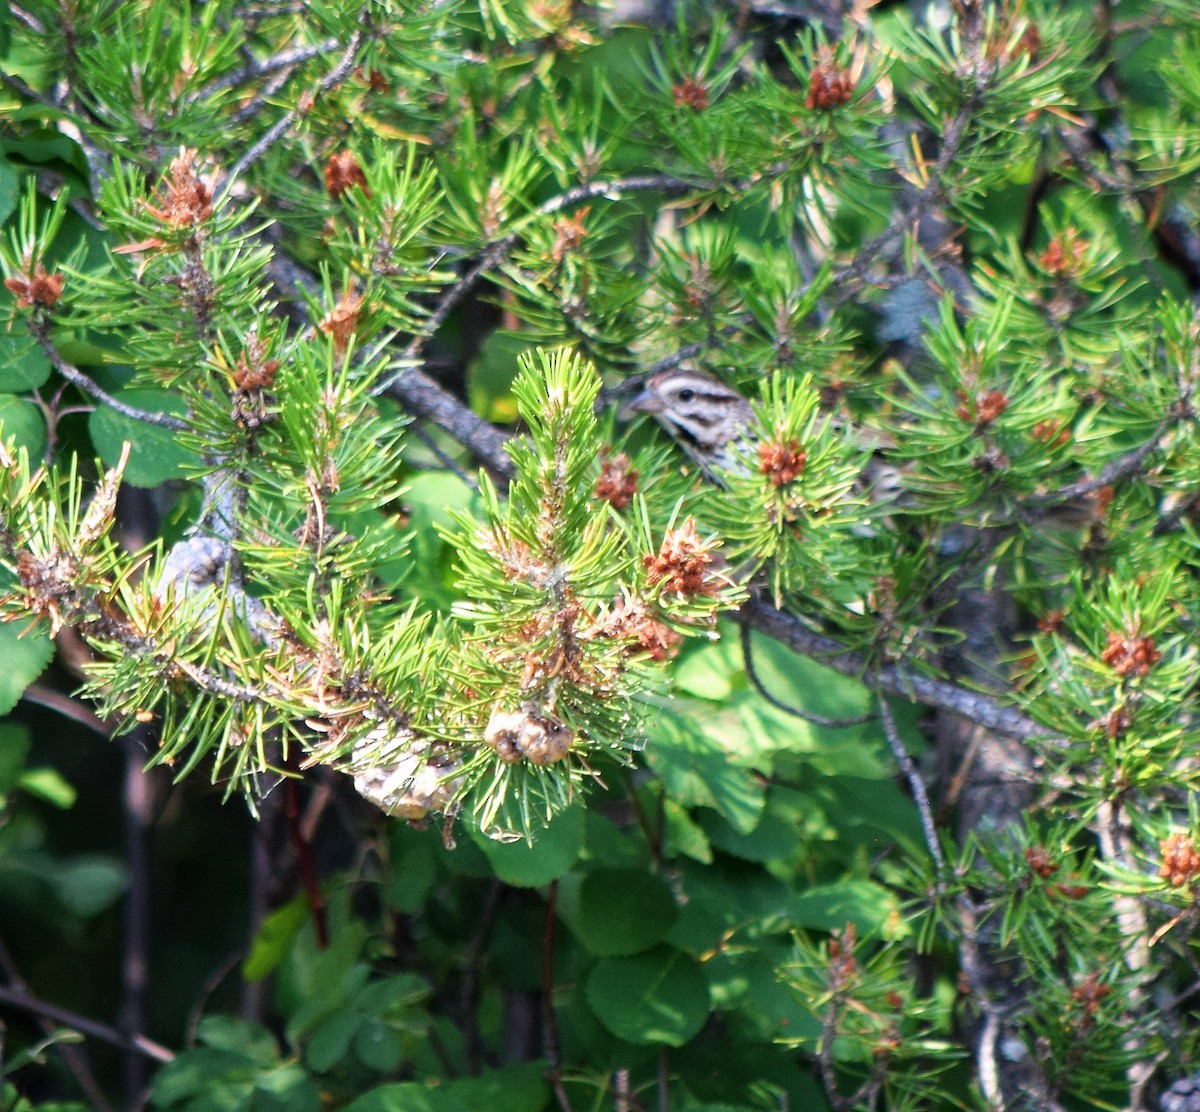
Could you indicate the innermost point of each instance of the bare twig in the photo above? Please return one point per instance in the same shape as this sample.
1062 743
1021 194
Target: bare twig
916 785
982 708
550 1020
788 708
306 865
283 125
621 1095
39 330
74 709
262 68
1128 464
18 998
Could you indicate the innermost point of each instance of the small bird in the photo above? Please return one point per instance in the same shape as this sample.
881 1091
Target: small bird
714 425
707 419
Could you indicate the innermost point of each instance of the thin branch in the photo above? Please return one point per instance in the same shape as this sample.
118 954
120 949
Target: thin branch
262 68
916 785
779 704
283 125
18 998
25 92
424 398
495 252
980 707
39 330
1128 464
550 1021
306 865
77 711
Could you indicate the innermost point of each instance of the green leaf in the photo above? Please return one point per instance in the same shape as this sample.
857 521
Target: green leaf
14 748
330 1041
413 868
89 885
24 658
684 837
156 454
706 671
529 866
22 422
287 1088
47 785
624 911
273 938
696 770
378 1047
829 907
196 1071
251 1040
46 145
658 997
23 364
772 838
514 1089
408 1096
749 981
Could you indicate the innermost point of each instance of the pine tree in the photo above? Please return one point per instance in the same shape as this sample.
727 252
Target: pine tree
863 757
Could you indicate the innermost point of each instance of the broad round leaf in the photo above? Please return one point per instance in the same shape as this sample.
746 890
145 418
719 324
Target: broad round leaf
23 364
14 748
529 866
89 885
24 659
378 1046
22 422
156 454
658 997
624 911
330 1042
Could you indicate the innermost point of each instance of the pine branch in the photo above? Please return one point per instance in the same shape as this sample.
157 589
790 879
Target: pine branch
284 59
339 73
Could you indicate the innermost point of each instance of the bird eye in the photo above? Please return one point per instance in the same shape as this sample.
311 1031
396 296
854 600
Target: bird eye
687 394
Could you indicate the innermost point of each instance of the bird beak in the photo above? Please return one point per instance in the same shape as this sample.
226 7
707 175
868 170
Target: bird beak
645 402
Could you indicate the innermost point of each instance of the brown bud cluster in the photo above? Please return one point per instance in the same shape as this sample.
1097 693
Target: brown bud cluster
684 563
1180 860
1050 432
342 173
528 735
186 201
631 618
343 320
1115 722
842 963
1040 862
1063 254
1089 994
569 233
1052 622
782 463
987 406
49 585
1128 655
253 377
829 86
618 481
38 288
690 93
